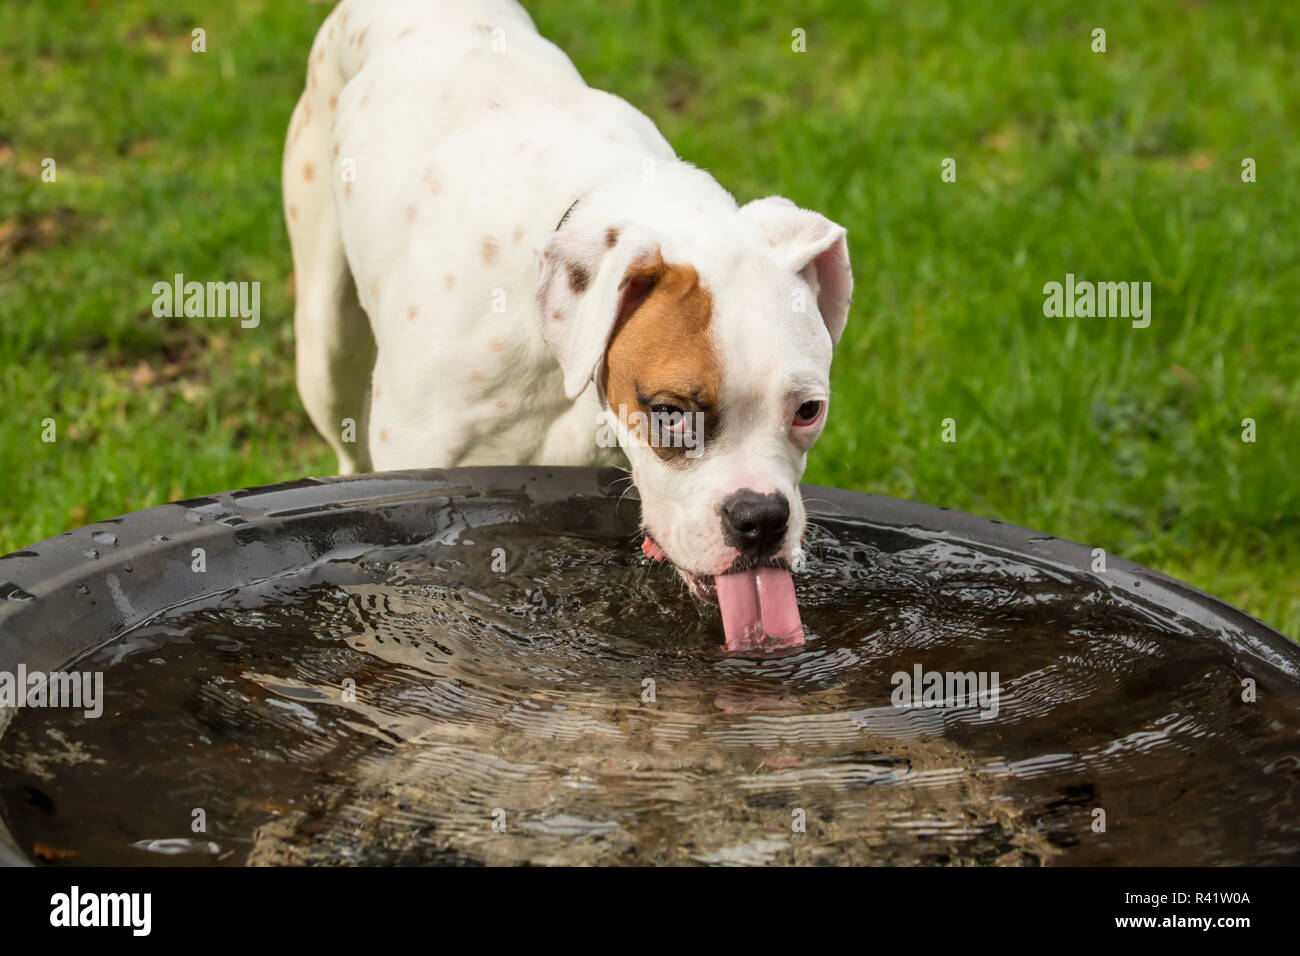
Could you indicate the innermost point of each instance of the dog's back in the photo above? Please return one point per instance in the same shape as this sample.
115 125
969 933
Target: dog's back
433 146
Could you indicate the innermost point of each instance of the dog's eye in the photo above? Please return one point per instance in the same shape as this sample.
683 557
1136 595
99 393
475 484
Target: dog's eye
808 413
667 417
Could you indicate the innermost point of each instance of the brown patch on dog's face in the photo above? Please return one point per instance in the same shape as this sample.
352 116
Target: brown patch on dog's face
662 353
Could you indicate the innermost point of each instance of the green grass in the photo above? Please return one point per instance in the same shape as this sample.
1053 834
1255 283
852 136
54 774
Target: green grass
1116 166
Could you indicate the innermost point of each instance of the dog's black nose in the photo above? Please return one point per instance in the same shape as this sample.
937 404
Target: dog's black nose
754 524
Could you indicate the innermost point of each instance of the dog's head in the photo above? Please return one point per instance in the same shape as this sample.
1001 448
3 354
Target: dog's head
713 355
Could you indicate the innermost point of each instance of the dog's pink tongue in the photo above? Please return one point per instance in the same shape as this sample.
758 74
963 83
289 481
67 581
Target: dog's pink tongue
757 603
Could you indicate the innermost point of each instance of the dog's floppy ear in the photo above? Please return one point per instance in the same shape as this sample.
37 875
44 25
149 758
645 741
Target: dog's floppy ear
816 248
587 280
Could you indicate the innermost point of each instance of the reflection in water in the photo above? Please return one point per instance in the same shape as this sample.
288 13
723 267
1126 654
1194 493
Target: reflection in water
416 705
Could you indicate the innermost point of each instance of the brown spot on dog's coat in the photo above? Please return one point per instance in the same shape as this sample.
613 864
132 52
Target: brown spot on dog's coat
611 237
489 250
383 435
334 102
497 346
664 347
579 278
449 281
293 211
517 234
308 172
410 313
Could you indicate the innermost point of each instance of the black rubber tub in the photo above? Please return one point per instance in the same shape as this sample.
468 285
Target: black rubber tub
478 666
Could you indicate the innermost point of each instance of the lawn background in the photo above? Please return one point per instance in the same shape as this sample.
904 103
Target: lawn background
1123 165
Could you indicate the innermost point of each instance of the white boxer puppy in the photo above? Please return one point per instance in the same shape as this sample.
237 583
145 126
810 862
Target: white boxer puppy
492 258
